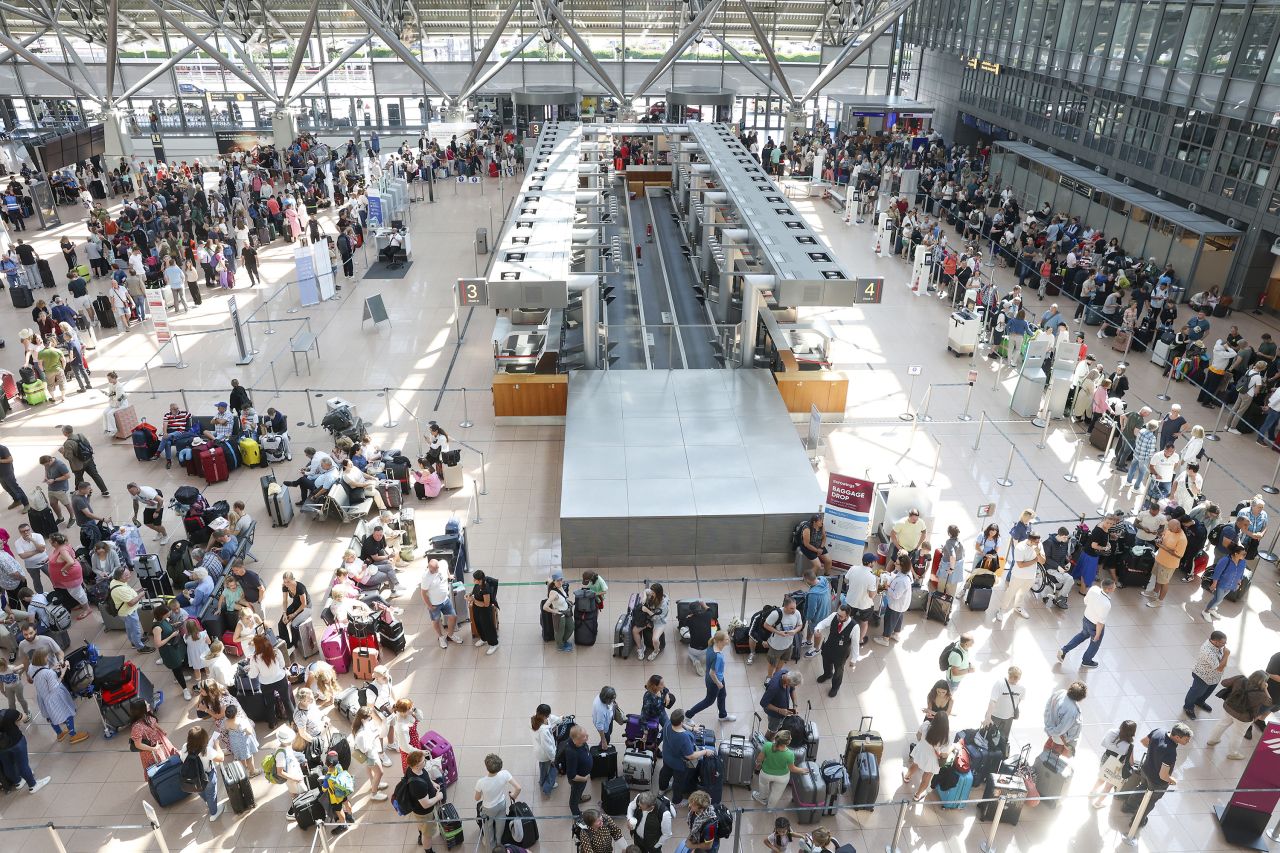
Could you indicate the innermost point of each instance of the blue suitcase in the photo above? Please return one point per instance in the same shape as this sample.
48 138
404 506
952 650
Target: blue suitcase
952 798
162 778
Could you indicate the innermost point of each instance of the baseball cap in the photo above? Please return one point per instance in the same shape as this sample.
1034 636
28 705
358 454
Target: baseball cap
221 405
331 760
868 558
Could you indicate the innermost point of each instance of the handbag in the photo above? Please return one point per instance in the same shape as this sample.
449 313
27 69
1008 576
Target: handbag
1051 745
1113 770
451 457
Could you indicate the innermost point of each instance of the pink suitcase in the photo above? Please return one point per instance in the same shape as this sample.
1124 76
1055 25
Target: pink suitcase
437 746
126 420
336 649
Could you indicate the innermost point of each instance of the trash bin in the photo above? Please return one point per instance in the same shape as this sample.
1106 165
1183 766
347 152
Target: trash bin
482 241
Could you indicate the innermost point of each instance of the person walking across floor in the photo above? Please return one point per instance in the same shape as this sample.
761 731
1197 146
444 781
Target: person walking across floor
15 763
494 791
1097 608
1206 673
1028 556
79 454
714 679
1063 721
1247 700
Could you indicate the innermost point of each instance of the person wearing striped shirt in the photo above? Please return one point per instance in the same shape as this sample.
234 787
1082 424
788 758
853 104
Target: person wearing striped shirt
1144 447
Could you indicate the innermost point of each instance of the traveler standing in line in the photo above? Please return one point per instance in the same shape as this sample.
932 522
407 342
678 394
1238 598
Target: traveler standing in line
241 737
127 601
817 606
926 754
1206 673
269 668
11 683
436 592
897 601
598 832
66 573
484 612
495 792
835 637
1097 609
14 760
577 766
420 795
167 637
604 712
1117 762
863 586
1006 698
368 743
543 723
1062 719
79 454
297 610
1162 755
951 568
698 621
1028 556
779 699
557 604
649 818
9 482
1227 576
54 699
775 763
1170 546
958 665
1247 700
201 747
702 823
714 679
149 740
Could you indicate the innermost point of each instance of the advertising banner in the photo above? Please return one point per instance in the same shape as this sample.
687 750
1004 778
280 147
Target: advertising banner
375 209
308 286
230 141
1263 771
847 517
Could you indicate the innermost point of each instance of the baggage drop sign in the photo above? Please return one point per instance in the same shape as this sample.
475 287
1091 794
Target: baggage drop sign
847 518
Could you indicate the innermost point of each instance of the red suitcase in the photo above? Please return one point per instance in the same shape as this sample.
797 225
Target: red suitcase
367 642
213 463
8 385
193 462
128 686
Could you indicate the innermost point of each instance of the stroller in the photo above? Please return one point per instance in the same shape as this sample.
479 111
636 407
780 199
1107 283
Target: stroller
1052 587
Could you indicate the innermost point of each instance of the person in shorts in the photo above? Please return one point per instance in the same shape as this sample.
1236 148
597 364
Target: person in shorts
152 503
813 544
782 626
436 589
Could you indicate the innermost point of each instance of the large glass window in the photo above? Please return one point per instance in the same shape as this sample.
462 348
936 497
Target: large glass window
1226 35
1102 29
1126 13
1193 42
1084 23
1143 33
1168 37
1259 33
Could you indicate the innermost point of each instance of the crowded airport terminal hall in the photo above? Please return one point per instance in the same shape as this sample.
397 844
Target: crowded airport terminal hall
582 426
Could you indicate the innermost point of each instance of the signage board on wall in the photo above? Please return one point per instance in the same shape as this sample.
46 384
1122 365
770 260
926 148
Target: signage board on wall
847 518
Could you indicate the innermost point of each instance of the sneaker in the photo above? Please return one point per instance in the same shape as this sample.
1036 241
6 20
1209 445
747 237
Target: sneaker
106 494
145 649
751 658
217 813
1204 706
822 679
1206 615
1235 756
79 737
378 797
444 644
758 798
386 760
640 653
339 829
566 648
1022 611
40 783
997 616
1089 664
456 637
766 681
1215 614
1212 742
14 505
811 653
728 718
1061 656
1233 431
479 643
186 694
1147 593
1190 713
1187 579
491 650
1154 602
807 643
653 655
881 640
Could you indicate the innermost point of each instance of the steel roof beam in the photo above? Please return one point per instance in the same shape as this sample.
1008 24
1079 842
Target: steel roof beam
681 42
329 67
779 88
873 29
763 40
498 66
301 47
211 51
592 64
392 41
21 51
487 50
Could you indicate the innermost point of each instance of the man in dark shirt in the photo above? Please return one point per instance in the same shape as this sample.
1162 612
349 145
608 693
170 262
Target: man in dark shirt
779 699
1173 425
9 482
698 621
1095 547
27 257
250 583
1162 754
14 744
373 550
577 765
420 796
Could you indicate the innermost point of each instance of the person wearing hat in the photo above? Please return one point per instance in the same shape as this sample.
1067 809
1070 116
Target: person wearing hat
287 764
221 424
339 785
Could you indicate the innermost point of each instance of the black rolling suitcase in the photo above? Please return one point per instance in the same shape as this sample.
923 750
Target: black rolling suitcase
151 574
521 829
21 296
104 312
1134 568
391 635
614 796
939 607
308 808
239 789
866 781
1010 786
46 273
548 623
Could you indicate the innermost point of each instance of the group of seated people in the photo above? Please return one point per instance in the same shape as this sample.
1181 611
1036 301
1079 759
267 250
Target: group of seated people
180 429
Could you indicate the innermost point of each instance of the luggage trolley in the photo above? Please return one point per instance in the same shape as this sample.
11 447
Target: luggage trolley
115 716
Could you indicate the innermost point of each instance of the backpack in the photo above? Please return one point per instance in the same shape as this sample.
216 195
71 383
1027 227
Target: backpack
758 631
270 768
944 663
341 784
560 733
192 777
400 800
562 766
724 821
84 451
1215 535
57 617
797 535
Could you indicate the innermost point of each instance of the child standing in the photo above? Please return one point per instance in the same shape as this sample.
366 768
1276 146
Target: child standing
197 641
220 669
11 686
781 839
241 738
339 785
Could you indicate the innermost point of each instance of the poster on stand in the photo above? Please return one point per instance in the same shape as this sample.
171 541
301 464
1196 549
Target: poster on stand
323 267
308 286
375 208
847 518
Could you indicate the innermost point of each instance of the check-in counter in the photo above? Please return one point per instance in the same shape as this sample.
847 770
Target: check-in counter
533 398
826 389
639 177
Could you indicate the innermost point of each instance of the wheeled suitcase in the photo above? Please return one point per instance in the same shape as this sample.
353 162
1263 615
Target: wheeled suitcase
103 310
239 788
978 597
336 649
1135 569
865 739
738 760
1160 354
835 780
248 693
450 826
274 447
437 746
640 733
213 463
614 796
604 762
47 279
1052 777
865 780
623 641
939 607
453 476
250 452
392 493
547 622
638 766
21 297
391 636
954 797
230 452
809 793
125 420
363 660
586 626
279 506
521 830
110 621
308 808
919 599
307 643
1013 788
162 780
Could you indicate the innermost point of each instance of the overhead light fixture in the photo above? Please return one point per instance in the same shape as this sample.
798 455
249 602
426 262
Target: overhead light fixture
546 35
699 37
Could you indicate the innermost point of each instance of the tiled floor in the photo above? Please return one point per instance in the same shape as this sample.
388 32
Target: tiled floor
483 703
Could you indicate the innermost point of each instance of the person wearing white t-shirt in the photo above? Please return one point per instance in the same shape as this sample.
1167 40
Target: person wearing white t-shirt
862 588
494 793
436 589
1006 698
1027 558
1150 524
1162 466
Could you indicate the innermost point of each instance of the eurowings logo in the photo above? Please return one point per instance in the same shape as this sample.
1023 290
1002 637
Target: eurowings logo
1272 744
